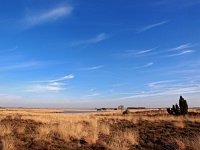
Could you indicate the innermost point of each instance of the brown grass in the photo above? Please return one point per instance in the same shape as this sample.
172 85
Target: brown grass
8 143
141 129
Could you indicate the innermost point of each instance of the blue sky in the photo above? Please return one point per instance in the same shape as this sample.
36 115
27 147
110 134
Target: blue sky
100 53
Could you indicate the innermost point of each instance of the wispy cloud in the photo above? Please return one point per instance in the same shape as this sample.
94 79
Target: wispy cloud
182 53
145 66
54 85
144 51
182 47
148 27
99 38
9 50
148 64
170 91
159 83
135 53
93 68
46 87
48 15
67 77
64 78
17 66
92 94
168 87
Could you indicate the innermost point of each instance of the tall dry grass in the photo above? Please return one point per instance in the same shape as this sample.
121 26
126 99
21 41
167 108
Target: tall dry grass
5 129
194 144
123 140
88 126
8 143
7 140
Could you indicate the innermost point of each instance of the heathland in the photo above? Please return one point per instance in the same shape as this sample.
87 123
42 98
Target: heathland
45 129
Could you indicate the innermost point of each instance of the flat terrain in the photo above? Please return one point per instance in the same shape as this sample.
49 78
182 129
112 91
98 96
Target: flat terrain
45 129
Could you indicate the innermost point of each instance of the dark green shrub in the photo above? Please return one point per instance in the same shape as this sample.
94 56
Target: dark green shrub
126 112
182 109
183 106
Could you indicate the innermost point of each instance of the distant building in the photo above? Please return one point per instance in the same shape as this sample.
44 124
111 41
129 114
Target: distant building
121 107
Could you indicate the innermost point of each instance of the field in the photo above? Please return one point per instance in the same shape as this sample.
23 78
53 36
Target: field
45 129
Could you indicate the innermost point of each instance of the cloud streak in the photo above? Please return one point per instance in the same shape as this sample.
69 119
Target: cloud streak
99 38
93 68
135 53
168 87
158 83
182 47
50 87
170 91
145 66
24 65
67 77
185 52
9 50
48 15
148 27
54 85
92 94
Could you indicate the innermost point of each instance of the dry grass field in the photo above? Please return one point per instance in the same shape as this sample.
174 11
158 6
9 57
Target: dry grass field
44 129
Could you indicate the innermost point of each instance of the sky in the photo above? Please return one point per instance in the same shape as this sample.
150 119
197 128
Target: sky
103 53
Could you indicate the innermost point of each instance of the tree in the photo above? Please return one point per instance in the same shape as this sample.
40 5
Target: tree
182 109
177 110
183 106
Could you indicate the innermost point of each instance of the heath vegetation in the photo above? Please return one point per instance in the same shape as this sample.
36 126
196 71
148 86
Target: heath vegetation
139 129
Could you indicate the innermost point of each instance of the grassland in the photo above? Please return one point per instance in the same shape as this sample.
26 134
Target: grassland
44 129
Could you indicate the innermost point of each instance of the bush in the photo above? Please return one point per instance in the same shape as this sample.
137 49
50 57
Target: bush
183 106
126 112
182 109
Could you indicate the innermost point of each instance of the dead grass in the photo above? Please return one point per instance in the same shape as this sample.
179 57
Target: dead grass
8 143
5 129
123 140
111 130
43 132
180 124
194 143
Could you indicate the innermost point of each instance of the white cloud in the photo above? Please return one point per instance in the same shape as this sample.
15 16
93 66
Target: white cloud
24 65
92 94
145 66
64 78
93 68
55 85
170 91
99 38
135 53
67 77
48 15
159 83
144 51
148 64
148 27
168 88
182 47
183 53
46 87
